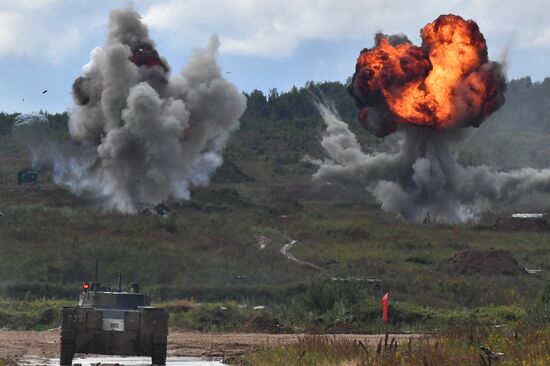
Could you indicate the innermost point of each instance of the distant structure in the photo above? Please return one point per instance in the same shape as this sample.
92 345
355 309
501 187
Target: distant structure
523 221
527 216
27 176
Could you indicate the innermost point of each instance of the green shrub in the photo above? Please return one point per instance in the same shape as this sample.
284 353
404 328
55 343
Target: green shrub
211 317
39 314
322 295
539 311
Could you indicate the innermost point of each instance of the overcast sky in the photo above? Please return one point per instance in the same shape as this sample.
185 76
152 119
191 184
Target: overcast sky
265 43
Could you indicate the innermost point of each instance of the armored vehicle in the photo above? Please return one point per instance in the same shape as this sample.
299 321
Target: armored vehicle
27 176
113 323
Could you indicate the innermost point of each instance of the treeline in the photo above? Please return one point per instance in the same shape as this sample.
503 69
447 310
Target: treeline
527 107
297 103
56 121
527 104
515 136
291 106
284 127
6 122
518 134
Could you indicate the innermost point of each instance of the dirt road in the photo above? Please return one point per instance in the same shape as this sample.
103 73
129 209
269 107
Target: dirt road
285 250
14 345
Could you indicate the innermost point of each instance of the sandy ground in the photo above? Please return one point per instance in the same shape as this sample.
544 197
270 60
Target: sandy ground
14 345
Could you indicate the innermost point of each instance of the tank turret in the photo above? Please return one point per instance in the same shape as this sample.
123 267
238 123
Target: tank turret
113 323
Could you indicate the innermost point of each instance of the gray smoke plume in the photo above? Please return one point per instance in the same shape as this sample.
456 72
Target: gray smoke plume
422 177
141 135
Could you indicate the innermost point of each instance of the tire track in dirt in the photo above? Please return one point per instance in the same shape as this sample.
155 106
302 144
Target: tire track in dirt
285 250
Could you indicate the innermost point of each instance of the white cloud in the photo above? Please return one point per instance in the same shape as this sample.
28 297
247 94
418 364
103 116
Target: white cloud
263 28
54 29
60 47
543 39
11 29
31 28
271 28
27 4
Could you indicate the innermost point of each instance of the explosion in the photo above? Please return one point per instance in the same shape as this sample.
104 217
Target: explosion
426 93
140 135
446 82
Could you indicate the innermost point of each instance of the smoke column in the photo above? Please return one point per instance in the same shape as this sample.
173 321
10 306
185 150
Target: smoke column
428 94
141 136
423 177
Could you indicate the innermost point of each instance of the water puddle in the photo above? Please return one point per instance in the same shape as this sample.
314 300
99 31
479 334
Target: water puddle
123 361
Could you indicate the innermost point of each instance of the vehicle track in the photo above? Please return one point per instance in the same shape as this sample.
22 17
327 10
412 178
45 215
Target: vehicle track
285 250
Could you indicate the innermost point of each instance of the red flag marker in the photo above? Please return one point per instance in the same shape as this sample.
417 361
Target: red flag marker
384 303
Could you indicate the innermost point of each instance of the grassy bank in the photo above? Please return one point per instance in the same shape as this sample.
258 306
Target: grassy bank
458 346
231 316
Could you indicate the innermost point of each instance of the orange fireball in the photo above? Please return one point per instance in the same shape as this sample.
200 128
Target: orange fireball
446 82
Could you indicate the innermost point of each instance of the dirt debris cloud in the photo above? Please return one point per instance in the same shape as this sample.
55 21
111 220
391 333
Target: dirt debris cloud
140 134
422 177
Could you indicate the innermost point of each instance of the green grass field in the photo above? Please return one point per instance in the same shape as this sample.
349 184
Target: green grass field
207 251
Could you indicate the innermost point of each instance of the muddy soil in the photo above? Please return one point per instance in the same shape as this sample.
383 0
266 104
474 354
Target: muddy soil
486 262
16 345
